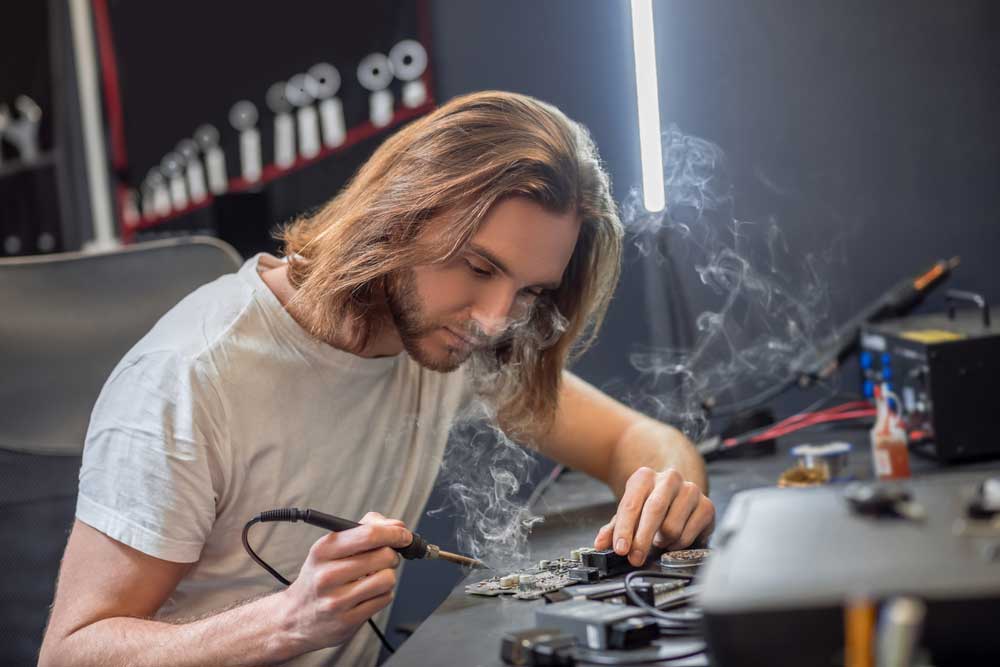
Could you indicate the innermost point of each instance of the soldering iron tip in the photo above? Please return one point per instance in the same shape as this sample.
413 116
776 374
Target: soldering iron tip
462 560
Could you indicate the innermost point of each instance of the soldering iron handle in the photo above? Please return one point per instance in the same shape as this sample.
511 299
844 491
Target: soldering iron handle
415 549
328 521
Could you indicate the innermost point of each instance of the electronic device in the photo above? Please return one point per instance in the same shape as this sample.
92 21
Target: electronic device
945 368
787 561
595 615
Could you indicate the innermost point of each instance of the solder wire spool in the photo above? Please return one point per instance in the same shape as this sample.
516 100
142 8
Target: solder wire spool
830 458
685 561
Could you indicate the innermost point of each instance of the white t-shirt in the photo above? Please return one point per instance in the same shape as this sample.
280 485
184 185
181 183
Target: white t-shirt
227 408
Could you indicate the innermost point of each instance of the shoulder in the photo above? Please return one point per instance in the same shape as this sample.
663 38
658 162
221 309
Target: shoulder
200 321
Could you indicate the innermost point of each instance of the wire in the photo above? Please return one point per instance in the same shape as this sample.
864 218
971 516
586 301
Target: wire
678 619
812 421
681 626
544 485
274 573
752 401
850 411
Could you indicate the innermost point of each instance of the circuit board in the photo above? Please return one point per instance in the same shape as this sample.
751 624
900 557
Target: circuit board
533 582
583 566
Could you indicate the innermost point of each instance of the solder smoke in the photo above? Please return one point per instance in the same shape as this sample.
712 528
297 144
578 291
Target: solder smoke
746 308
485 472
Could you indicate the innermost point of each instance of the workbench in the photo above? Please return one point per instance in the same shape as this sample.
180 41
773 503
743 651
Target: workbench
467 630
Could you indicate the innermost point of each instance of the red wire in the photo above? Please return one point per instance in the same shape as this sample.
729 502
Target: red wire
818 419
803 416
803 420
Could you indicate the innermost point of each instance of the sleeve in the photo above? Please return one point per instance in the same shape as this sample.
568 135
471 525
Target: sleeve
152 474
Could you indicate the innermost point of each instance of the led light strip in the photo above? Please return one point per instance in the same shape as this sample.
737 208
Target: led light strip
647 95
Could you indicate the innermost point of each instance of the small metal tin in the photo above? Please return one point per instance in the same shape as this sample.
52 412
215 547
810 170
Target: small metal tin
685 558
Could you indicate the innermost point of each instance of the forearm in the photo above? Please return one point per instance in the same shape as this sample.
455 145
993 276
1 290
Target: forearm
250 634
650 443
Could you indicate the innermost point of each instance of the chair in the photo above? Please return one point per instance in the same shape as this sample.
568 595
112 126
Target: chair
65 322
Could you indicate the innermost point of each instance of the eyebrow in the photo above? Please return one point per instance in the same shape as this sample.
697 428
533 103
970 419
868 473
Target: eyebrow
495 261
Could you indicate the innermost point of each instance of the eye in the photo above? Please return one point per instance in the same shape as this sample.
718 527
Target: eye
479 270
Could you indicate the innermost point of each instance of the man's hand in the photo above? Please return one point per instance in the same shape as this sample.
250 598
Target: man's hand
346 579
658 509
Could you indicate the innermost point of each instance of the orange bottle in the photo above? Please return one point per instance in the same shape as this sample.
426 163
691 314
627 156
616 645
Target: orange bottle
890 456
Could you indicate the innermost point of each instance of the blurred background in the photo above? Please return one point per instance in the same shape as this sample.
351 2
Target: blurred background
865 133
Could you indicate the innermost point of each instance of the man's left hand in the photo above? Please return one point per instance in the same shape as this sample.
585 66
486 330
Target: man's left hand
658 509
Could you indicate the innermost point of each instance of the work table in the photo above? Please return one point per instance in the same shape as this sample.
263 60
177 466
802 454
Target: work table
467 630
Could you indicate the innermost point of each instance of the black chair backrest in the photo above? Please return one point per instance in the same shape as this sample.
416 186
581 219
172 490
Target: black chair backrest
65 322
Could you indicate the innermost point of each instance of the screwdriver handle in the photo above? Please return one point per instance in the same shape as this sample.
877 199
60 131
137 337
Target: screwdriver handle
414 550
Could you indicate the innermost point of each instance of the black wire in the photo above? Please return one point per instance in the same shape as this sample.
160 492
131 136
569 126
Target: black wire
544 485
257 559
679 620
274 573
752 401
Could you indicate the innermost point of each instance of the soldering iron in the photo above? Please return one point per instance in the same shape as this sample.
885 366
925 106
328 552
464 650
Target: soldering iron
417 548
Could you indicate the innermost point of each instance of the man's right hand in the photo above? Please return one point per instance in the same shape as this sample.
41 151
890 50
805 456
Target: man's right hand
345 580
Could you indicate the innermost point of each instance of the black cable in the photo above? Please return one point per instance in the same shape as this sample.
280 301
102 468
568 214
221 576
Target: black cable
274 573
763 396
544 485
752 401
676 619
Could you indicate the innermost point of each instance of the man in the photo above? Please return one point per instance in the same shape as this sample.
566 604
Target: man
485 230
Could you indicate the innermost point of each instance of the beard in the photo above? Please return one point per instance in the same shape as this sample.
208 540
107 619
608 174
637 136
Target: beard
415 328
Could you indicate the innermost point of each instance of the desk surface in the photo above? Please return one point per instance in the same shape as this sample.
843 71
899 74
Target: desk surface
467 630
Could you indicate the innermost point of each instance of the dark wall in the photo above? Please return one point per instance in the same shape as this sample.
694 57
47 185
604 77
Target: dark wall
577 55
871 123
871 126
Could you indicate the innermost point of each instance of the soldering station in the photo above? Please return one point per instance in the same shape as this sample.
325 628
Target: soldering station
839 158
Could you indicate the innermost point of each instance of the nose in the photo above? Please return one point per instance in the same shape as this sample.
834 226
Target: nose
491 311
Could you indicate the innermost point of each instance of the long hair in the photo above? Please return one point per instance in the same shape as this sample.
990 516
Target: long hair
456 163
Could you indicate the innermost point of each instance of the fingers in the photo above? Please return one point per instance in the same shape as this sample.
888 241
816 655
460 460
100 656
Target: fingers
604 535
699 525
335 573
375 517
637 489
366 588
661 500
366 537
672 525
367 609
657 509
